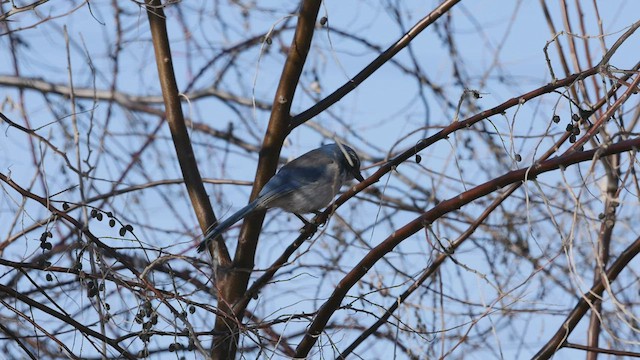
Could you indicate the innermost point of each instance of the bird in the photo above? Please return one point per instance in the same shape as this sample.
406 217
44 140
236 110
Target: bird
303 185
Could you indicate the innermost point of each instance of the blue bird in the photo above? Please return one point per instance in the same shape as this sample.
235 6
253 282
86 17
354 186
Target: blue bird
305 184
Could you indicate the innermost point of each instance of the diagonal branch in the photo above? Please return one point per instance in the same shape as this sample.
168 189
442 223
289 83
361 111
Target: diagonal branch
65 318
445 207
429 271
18 9
342 91
581 308
391 164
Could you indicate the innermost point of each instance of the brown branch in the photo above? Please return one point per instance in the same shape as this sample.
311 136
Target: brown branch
77 224
612 170
608 114
123 98
601 350
67 319
179 133
233 286
554 33
447 206
127 101
123 259
15 337
391 164
428 272
38 327
583 305
109 195
350 85
45 19
44 140
18 9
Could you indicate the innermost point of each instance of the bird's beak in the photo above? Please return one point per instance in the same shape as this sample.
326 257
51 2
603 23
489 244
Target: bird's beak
358 175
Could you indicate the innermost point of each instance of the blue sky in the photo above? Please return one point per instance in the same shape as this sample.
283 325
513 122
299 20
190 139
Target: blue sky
375 118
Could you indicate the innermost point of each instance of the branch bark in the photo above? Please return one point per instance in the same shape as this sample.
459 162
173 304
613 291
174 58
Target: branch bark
179 134
611 166
342 91
233 286
581 308
331 305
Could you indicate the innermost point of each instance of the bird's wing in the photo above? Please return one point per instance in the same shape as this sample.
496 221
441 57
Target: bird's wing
306 169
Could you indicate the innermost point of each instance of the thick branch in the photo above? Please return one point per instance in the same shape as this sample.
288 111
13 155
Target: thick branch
175 118
233 287
391 164
445 207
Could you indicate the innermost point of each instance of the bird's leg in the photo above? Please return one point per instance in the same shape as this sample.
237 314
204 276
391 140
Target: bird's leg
305 221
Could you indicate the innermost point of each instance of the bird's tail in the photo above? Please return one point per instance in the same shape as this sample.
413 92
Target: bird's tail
227 223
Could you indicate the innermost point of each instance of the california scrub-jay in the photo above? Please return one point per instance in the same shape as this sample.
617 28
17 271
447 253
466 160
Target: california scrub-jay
306 184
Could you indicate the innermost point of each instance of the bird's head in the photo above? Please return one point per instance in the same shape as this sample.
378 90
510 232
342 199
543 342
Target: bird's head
351 161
